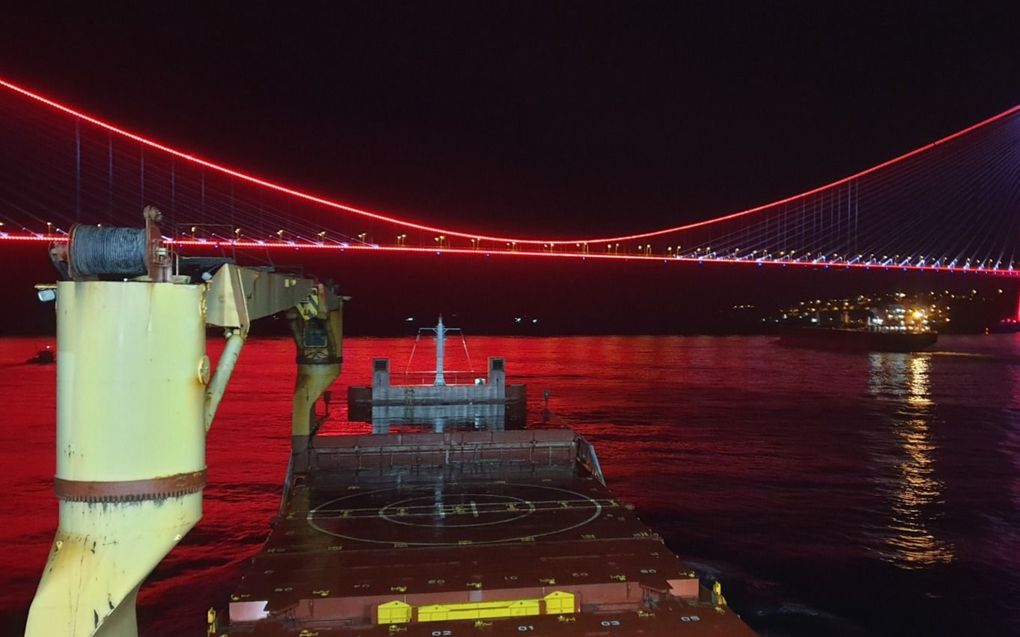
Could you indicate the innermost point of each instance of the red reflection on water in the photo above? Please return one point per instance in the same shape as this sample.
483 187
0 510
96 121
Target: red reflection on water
783 470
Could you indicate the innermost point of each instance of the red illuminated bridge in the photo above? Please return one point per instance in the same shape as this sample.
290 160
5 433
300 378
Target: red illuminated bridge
950 206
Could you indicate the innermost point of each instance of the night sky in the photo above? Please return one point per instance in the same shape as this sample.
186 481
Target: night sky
533 118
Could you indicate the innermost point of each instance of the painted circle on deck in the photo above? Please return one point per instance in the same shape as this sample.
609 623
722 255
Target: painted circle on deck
475 514
457 511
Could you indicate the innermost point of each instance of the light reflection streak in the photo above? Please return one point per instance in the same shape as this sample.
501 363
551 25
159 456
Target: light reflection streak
913 488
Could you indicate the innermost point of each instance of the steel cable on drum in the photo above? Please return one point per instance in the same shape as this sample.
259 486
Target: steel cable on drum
95 250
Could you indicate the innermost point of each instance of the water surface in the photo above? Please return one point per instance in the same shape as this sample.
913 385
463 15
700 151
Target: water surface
831 493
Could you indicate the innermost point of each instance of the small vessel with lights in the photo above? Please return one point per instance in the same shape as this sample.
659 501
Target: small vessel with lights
892 329
858 340
45 356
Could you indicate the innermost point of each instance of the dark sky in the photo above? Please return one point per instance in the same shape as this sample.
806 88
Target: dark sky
536 118
532 116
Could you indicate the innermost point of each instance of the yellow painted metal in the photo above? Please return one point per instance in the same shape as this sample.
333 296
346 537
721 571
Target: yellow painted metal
395 612
717 597
555 603
224 368
335 325
309 307
560 603
312 380
239 295
479 610
318 366
130 406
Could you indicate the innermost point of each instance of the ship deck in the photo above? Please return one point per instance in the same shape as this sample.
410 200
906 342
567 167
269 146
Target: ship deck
489 533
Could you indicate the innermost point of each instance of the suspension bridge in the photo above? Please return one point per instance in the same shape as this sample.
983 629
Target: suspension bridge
950 206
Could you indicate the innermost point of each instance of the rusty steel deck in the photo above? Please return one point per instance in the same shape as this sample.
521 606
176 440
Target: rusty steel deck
464 533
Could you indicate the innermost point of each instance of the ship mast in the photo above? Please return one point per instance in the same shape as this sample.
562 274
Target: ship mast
440 347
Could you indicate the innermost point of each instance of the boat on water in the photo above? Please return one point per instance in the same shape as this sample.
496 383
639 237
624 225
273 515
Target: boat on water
858 339
461 529
1006 326
894 328
45 356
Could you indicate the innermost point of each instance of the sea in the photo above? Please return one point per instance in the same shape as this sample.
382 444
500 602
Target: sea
832 494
